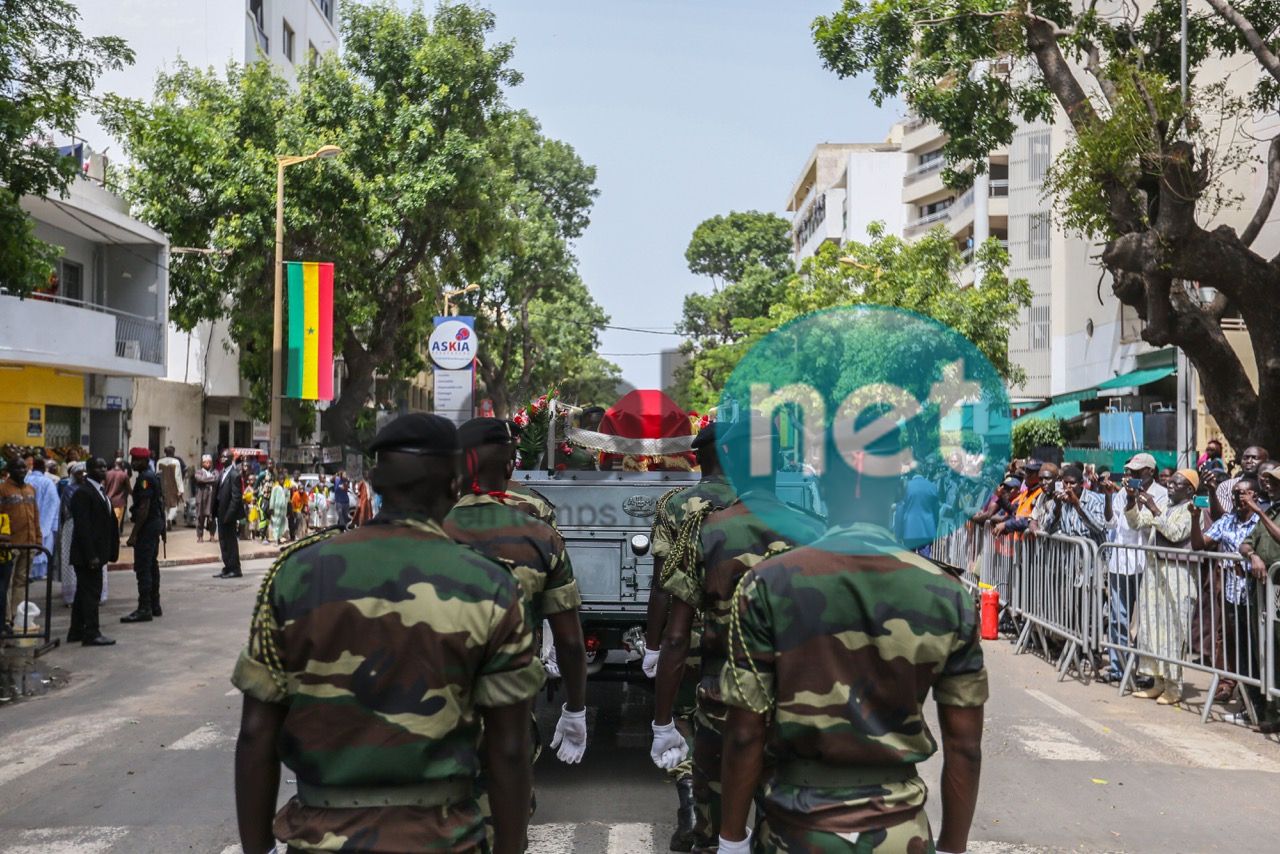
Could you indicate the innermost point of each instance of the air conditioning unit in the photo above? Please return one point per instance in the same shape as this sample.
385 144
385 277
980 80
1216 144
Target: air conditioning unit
129 349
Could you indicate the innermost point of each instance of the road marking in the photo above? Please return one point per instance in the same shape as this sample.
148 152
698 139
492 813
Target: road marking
1066 711
1048 742
66 840
24 752
631 839
550 839
232 692
200 739
1206 749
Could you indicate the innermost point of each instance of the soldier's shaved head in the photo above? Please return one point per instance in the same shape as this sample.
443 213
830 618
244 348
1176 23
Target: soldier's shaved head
411 482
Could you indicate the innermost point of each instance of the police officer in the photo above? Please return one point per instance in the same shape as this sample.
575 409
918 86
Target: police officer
676 543
535 553
374 657
842 640
731 541
144 539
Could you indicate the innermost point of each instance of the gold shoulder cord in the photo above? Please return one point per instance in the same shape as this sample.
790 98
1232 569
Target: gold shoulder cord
262 643
682 550
735 637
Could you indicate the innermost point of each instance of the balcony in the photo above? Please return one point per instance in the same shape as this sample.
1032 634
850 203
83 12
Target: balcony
923 223
922 170
77 335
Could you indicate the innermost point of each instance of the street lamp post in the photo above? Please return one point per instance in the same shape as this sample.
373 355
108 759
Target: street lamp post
459 292
277 345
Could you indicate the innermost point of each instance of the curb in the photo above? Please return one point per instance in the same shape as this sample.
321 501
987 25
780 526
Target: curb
194 561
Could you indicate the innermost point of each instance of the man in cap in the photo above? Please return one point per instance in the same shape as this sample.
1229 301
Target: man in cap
144 539
833 647
1127 565
1262 551
374 657
535 553
731 541
677 544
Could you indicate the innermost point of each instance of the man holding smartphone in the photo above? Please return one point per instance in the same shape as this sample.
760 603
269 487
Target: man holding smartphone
1126 566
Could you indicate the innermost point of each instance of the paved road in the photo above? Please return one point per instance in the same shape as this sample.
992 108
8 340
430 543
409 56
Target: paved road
135 755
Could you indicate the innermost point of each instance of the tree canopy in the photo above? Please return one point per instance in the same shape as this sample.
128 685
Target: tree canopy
1144 172
921 276
435 180
47 70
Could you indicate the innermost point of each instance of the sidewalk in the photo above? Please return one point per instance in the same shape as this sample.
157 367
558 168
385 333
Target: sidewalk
182 549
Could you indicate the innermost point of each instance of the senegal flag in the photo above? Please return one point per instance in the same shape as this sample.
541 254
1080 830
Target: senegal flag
310 374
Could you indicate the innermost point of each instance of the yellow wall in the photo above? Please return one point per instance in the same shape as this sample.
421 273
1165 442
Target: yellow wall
24 387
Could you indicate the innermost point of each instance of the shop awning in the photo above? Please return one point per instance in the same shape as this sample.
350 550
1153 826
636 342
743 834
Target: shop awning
1138 378
1063 411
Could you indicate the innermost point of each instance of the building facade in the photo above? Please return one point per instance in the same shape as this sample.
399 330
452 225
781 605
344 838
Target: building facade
71 353
842 189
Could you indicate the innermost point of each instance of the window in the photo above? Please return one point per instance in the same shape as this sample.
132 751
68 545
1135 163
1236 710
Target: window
326 8
313 55
1038 328
255 9
1037 155
1039 228
286 43
70 280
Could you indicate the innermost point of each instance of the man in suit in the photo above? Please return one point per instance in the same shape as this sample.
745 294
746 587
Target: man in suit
229 509
95 542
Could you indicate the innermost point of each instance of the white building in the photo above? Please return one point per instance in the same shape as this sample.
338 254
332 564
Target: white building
842 189
198 402
71 353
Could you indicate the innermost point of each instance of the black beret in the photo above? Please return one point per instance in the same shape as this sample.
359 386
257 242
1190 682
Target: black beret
486 431
706 436
417 433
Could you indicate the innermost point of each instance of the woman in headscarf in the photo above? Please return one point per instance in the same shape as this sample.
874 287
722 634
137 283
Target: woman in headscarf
206 487
62 556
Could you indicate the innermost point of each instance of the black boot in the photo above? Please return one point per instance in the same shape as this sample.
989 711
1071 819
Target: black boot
155 609
686 817
141 615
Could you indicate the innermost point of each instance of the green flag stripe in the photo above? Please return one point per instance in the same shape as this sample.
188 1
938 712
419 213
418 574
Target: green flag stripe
297 331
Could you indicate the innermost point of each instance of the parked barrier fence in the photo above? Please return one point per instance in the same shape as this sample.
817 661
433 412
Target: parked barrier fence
28 628
1154 610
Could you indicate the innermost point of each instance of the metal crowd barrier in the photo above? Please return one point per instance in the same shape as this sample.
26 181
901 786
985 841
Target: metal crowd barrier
1053 593
1269 606
35 634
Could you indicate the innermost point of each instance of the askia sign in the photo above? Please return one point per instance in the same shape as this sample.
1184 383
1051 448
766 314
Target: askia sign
453 345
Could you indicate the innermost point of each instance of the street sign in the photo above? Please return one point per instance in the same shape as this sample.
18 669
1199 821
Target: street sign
453 346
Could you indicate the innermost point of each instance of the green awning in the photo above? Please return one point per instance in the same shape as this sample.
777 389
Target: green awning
1138 378
1063 411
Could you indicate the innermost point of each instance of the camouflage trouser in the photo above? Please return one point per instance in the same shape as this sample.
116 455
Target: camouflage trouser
708 741
912 836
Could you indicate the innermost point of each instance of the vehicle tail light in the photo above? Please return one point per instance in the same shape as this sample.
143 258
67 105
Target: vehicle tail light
591 641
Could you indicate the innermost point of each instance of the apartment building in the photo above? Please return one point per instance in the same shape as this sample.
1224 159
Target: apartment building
71 353
842 189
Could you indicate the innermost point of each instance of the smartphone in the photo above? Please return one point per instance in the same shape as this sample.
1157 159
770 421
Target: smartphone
1202 501
1133 483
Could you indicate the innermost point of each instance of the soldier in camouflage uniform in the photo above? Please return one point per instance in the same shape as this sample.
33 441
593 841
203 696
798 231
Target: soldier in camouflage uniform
675 544
535 553
837 644
731 541
374 656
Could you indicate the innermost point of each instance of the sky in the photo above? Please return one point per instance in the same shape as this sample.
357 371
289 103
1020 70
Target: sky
688 109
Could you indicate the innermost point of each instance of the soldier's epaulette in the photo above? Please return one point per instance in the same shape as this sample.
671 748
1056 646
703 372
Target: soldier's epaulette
667 496
306 542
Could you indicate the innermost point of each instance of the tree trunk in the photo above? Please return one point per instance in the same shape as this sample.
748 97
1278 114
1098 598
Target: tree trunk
339 420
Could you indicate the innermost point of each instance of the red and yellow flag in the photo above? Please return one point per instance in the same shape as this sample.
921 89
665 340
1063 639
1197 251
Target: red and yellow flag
310 361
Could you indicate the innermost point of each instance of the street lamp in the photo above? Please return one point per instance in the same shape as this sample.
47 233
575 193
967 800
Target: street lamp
459 292
324 152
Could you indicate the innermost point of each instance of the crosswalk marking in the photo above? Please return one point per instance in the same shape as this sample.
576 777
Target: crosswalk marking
201 738
23 752
1048 742
1206 749
550 839
65 840
631 839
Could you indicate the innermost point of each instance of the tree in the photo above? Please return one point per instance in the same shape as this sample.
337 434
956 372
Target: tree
535 318
747 255
919 276
1144 170
1032 433
408 210
47 69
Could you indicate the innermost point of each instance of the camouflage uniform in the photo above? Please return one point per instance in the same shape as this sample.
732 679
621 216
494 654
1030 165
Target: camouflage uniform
732 541
532 503
842 648
384 642
534 551
680 511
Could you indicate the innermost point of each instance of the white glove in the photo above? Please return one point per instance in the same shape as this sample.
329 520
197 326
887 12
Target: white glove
650 663
669 748
743 847
570 740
